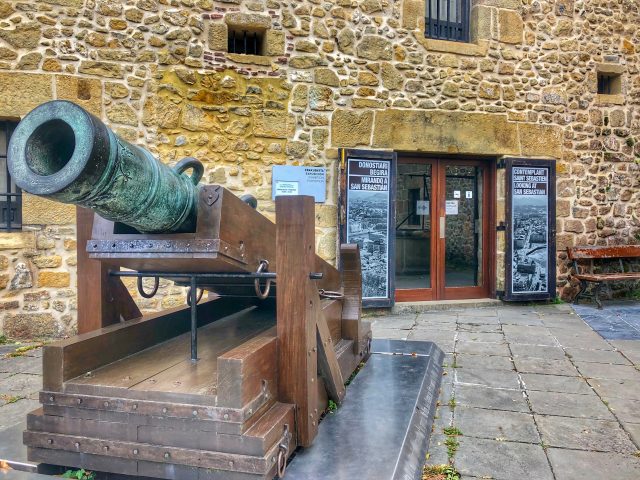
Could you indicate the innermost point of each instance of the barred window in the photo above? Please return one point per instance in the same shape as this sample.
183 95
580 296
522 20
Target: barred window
10 194
447 20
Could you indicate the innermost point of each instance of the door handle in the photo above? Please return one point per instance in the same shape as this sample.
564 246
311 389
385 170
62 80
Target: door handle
442 225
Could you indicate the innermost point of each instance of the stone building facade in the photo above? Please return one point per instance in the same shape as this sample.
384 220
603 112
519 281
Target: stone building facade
325 75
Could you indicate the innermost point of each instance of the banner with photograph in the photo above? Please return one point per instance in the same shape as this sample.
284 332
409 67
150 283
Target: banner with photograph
531 233
367 222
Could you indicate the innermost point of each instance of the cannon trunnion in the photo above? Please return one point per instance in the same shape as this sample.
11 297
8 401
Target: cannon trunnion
128 398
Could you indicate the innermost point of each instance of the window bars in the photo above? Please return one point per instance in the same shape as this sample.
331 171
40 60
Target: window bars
248 43
10 194
447 20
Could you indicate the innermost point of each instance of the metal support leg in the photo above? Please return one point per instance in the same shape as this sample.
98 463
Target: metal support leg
193 294
583 288
596 295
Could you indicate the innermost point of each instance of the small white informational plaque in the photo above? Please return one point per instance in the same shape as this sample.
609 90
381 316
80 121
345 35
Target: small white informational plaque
422 207
451 207
456 194
286 188
469 193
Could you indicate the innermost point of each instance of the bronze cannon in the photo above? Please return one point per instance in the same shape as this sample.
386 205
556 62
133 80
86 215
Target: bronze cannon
62 152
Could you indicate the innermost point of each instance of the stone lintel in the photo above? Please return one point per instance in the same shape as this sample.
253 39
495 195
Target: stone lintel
610 68
540 140
445 132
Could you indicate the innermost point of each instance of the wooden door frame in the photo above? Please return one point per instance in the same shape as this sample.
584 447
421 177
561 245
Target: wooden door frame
437 208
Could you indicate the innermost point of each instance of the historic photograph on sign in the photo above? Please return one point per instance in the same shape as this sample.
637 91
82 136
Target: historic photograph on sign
368 222
530 239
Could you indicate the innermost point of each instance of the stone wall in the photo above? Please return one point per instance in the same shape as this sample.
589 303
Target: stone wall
341 73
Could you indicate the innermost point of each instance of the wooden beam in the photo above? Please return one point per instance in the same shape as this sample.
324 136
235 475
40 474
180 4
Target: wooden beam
327 361
296 327
102 300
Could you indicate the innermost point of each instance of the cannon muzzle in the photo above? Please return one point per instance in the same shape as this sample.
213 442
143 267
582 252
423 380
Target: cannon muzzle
62 152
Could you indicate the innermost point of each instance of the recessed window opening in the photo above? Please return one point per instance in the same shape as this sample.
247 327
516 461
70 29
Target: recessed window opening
248 42
609 83
447 20
10 194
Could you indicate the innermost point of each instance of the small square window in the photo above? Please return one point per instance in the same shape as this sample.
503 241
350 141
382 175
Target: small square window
609 83
246 42
447 20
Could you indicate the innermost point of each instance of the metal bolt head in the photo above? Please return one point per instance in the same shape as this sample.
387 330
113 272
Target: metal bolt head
51 398
164 410
135 406
166 455
194 413
226 416
77 445
106 404
49 441
135 451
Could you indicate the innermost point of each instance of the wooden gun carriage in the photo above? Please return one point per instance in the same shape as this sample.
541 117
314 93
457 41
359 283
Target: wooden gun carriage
225 387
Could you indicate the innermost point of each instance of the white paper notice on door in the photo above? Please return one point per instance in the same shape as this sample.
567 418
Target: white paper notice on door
456 194
422 207
451 207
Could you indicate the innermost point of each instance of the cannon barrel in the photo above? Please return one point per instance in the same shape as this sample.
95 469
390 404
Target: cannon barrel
62 152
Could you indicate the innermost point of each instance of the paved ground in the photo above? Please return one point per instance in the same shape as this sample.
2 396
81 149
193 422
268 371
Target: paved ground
535 391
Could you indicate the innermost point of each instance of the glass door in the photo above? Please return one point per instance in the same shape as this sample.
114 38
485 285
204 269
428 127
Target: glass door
463 225
413 230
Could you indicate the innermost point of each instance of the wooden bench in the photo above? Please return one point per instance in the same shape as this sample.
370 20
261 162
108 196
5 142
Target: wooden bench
580 255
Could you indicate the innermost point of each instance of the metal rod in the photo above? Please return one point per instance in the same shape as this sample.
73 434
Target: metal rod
265 275
194 319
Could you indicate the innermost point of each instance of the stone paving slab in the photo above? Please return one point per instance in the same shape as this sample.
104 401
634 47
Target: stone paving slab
555 383
487 378
579 465
491 362
624 409
480 348
584 434
597 356
496 425
545 366
502 460
536 351
612 388
569 405
492 398
600 370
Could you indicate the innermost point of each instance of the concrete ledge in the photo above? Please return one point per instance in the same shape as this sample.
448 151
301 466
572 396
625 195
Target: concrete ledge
420 307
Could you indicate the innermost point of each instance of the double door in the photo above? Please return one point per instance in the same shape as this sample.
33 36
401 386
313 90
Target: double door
443 213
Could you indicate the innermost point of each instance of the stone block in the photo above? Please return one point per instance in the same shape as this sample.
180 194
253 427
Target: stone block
510 26
349 129
248 21
47 261
54 279
40 211
17 240
271 124
24 35
30 325
445 132
412 11
508 4
274 42
101 69
326 76
564 7
481 23
122 113
217 38
391 77
373 47
6 10
16 100
540 140
66 3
